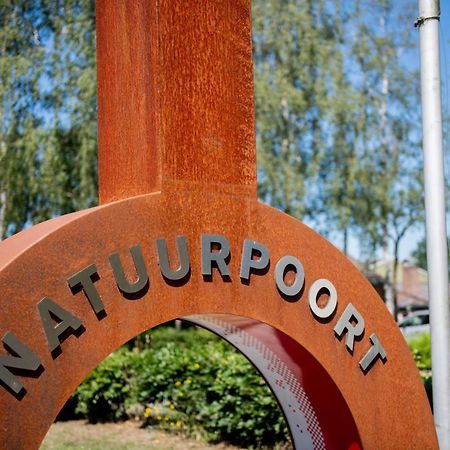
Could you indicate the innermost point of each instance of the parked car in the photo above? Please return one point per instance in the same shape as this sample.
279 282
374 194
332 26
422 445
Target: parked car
415 324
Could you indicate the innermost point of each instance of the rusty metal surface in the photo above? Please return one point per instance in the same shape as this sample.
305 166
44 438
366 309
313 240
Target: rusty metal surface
176 124
175 98
129 163
388 404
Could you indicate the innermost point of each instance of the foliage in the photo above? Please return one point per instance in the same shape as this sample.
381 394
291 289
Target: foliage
71 95
421 350
197 384
47 110
102 396
389 182
338 132
420 347
420 254
20 53
293 43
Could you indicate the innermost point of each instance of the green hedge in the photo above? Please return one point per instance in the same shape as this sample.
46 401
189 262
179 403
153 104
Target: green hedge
188 381
420 347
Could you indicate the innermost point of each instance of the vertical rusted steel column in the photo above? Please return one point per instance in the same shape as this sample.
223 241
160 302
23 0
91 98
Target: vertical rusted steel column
175 100
127 35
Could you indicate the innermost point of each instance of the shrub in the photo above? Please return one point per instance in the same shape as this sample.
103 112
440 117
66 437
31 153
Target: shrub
189 381
420 347
103 395
421 350
217 393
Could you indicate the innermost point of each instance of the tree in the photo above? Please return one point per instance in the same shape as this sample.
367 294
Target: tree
20 52
345 121
47 110
362 139
294 42
420 254
72 95
389 182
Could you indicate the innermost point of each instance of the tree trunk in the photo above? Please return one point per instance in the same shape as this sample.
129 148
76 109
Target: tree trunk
2 214
2 191
345 244
388 279
394 280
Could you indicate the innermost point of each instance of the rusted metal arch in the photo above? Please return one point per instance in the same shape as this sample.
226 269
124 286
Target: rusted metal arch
177 147
387 403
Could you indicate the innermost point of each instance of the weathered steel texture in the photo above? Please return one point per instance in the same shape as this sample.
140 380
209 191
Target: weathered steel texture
388 404
175 97
129 162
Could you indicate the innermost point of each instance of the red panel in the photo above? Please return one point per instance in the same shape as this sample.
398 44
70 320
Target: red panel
304 390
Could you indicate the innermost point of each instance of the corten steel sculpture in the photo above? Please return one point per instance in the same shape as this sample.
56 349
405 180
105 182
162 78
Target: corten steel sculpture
180 233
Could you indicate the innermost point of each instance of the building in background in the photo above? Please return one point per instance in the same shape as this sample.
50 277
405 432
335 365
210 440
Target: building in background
411 284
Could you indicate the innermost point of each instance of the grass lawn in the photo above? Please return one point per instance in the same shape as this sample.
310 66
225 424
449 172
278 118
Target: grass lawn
77 435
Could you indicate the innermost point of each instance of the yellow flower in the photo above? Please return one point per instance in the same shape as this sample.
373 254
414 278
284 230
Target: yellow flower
180 394
172 407
178 383
147 412
178 424
189 380
196 366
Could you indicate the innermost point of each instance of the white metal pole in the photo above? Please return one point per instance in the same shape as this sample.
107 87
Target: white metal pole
428 23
